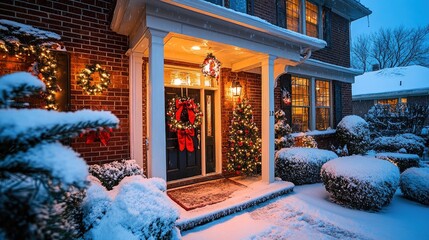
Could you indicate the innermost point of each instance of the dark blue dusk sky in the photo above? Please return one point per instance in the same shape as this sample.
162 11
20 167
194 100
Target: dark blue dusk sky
392 13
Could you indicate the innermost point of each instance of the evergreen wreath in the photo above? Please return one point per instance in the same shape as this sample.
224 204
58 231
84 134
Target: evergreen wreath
178 119
84 79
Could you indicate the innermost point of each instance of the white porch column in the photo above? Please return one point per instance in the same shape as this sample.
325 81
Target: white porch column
157 166
267 79
136 101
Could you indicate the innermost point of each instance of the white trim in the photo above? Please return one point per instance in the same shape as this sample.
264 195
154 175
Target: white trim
267 117
312 111
136 108
157 165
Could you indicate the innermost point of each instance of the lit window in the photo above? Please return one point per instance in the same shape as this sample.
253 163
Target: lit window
391 103
300 104
323 105
292 15
311 12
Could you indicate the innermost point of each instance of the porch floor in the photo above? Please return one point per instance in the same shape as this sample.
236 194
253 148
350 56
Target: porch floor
255 192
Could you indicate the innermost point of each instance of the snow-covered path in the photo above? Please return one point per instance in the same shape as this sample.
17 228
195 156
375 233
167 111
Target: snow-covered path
308 214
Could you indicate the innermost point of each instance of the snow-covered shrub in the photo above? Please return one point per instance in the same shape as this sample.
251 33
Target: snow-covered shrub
282 131
360 182
42 182
414 184
401 160
137 208
301 165
110 174
383 120
309 142
410 142
353 131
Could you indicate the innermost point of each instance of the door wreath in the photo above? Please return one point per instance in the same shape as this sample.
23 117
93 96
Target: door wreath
183 116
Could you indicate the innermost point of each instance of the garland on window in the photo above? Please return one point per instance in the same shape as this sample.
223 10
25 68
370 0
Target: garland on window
84 79
33 45
211 66
184 115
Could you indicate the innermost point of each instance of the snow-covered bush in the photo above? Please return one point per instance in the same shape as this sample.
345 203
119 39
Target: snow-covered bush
110 174
282 131
42 182
401 160
383 120
301 165
410 142
360 182
415 184
137 208
309 142
353 131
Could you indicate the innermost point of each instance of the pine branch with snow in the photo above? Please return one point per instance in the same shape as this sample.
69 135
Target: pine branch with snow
19 84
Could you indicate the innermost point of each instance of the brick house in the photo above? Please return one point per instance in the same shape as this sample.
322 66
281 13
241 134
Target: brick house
391 86
289 54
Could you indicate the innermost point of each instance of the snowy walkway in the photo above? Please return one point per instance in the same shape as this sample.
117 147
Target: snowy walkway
255 192
308 214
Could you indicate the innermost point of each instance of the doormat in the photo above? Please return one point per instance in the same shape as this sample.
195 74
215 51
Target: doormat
204 194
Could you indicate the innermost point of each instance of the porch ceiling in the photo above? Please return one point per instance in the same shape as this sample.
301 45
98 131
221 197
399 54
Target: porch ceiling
194 50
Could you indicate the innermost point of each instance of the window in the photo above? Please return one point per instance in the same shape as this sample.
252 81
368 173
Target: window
238 5
311 19
392 103
292 15
300 104
323 105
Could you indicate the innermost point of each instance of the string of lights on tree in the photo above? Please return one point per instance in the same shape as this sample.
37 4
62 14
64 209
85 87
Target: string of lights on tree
35 48
244 153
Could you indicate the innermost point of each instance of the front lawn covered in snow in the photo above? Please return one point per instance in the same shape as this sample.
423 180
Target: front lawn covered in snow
308 214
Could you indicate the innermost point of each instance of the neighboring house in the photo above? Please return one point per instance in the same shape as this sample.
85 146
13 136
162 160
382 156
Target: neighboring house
289 54
390 86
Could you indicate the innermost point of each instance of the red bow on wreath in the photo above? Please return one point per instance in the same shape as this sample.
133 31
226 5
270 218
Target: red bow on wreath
185 139
101 135
189 106
184 136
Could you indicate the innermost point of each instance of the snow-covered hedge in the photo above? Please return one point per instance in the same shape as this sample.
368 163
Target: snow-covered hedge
415 184
301 165
360 182
401 160
410 142
110 174
137 208
353 131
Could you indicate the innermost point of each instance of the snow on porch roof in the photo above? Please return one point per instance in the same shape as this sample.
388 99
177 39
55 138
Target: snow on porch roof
392 82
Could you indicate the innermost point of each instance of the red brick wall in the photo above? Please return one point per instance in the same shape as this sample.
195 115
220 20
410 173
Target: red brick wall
266 9
338 52
346 95
84 26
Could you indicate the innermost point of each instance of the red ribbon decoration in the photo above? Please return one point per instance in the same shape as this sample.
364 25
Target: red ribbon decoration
189 106
185 139
102 136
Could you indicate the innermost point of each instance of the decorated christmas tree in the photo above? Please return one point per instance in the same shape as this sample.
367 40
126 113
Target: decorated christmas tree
244 153
282 131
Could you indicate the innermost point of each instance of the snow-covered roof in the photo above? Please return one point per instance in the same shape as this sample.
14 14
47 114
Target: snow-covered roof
392 82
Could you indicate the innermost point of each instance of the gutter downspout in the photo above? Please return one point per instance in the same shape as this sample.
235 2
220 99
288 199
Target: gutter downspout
307 54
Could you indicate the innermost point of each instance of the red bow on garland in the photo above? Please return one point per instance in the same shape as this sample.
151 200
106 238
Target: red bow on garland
185 139
101 135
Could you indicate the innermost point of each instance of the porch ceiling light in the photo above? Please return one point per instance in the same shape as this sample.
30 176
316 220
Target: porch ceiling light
236 88
196 48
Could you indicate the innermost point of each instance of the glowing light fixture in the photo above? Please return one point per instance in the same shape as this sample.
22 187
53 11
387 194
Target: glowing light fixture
236 89
196 48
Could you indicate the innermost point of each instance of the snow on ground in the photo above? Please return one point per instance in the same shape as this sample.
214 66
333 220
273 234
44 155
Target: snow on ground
308 214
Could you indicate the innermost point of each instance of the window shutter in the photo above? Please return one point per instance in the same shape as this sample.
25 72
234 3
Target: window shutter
327 25
285 82
250 7
281 13
338 110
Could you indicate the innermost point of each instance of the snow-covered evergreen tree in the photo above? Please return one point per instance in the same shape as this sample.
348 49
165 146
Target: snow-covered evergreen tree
244 153
282 131
42 182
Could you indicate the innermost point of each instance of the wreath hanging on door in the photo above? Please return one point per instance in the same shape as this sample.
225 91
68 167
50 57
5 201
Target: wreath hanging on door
184 115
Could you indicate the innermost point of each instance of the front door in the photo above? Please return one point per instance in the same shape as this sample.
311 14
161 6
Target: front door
182 164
